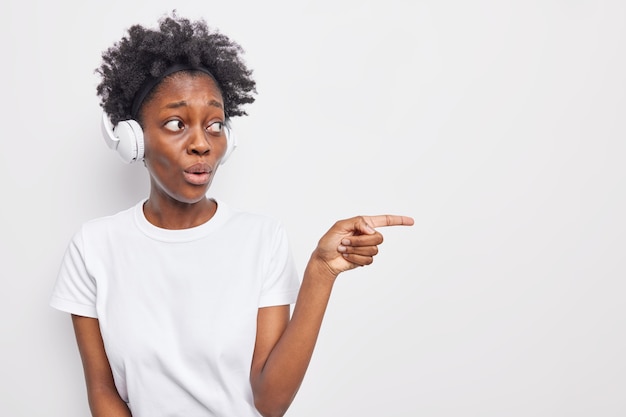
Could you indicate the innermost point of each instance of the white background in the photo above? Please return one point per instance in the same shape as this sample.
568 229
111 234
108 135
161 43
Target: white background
498 125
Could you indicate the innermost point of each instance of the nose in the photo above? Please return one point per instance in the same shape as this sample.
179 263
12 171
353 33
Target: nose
199 143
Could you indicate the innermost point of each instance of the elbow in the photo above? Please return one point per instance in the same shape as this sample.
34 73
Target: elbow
272 396
271 407
271 412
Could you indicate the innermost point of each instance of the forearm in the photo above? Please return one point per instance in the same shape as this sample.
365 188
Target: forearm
105 402
277 383
277 375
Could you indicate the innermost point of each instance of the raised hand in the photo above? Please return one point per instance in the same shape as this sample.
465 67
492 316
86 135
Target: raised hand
354 242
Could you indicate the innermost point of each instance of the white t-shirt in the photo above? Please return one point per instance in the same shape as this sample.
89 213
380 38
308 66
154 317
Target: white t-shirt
178 308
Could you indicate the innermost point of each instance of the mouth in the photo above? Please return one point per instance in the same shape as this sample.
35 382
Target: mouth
198 174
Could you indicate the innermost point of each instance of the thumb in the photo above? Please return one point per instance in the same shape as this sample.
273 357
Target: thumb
361 226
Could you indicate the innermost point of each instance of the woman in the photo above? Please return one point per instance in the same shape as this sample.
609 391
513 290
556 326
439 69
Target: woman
181 304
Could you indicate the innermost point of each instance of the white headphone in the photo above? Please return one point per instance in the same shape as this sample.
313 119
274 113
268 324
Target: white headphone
127 139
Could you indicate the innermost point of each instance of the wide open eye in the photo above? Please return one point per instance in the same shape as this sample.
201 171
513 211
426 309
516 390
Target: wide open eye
215 128
175 125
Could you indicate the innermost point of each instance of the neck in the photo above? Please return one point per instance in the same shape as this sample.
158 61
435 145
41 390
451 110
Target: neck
172 214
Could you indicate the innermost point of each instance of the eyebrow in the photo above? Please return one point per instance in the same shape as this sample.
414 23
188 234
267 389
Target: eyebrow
183 103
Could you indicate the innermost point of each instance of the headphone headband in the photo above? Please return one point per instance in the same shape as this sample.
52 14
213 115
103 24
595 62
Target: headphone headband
152 82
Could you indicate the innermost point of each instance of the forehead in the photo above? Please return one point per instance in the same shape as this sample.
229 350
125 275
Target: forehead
186 85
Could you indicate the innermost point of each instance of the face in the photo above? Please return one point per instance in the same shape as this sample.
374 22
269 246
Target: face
184 137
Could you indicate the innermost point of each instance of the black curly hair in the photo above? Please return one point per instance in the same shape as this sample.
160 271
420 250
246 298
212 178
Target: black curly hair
145 54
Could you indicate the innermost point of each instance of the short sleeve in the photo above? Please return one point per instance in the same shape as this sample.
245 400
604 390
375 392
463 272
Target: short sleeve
281 283
75 289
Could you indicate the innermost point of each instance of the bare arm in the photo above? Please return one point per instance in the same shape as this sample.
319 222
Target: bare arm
104 401
284 347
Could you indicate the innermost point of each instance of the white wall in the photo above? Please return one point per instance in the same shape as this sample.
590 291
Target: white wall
499 125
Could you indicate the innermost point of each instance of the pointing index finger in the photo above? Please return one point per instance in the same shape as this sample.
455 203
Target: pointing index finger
385 220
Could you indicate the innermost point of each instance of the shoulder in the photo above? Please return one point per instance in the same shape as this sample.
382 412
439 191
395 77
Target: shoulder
251 222
248 217
120 221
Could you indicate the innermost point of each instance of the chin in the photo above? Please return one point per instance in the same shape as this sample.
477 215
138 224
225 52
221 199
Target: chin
195 199
190 197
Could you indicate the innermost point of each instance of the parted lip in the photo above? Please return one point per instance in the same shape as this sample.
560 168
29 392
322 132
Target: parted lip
199 168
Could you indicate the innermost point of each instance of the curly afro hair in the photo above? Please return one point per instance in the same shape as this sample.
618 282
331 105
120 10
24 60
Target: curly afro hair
146 54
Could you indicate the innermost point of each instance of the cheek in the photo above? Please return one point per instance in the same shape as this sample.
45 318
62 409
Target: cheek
158 161
159 166
158 152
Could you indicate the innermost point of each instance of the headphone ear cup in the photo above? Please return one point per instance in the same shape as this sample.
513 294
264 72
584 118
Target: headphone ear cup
130 137
231 143
126 138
